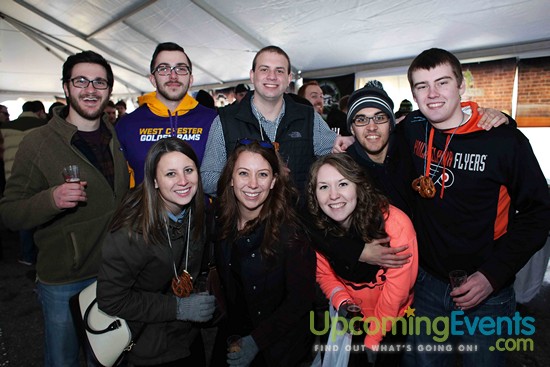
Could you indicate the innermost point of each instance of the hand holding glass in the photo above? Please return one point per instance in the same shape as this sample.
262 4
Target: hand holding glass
353 309
71 173
457 278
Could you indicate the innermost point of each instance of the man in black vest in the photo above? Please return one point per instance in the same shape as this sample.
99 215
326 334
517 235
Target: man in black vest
267 114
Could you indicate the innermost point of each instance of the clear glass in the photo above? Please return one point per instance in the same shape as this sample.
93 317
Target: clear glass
353 308
71 173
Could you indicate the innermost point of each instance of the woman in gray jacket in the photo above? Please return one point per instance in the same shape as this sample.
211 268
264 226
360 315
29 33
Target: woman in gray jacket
154 248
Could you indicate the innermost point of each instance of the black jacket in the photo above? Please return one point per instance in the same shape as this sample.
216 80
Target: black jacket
491 211
134 284
395 175
269 300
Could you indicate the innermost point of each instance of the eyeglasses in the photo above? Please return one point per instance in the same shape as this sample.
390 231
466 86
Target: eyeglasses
165 70
362 120
81 82
262 143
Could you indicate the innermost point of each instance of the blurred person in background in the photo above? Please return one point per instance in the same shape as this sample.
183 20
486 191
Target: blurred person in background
14 132
110 111
240 92
314 94
52 107
120 109
405 108
336 117
205 99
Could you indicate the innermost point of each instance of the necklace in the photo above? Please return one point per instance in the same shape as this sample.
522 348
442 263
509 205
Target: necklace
424 184
182 285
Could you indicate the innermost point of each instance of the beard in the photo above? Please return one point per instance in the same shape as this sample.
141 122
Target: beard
169 94
74 103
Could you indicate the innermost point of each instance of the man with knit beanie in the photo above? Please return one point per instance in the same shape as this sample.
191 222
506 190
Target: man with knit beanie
372 122
381 149
383 153
169 111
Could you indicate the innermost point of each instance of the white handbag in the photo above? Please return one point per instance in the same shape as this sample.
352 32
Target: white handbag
106 338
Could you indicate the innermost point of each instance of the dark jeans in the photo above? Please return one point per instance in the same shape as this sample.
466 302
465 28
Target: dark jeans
432 300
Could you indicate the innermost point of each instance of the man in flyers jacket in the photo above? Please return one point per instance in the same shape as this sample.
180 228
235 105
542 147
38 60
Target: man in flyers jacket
483 207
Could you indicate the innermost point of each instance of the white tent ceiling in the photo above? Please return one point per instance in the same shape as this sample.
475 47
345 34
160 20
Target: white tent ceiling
322 37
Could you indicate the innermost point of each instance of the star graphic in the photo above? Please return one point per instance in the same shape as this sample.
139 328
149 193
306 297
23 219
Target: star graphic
409 311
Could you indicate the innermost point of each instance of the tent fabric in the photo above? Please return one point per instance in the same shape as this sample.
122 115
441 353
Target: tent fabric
322 38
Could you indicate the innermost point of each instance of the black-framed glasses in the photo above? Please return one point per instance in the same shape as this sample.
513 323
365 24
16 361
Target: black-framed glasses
165 70
81 82
262 143
378 119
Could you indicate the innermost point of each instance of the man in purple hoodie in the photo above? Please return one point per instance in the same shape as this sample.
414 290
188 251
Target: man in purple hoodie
169 111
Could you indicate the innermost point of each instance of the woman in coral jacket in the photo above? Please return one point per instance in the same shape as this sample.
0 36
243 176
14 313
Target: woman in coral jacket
344 203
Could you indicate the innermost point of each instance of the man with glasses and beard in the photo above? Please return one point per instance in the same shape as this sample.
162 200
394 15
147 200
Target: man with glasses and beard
169 111
71 217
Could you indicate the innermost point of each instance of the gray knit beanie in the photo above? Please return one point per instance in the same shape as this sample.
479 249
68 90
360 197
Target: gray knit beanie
371 95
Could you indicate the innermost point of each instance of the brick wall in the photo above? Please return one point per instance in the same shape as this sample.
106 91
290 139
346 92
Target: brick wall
491 83
534 92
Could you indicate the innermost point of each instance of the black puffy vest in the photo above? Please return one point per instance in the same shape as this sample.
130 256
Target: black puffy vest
294 135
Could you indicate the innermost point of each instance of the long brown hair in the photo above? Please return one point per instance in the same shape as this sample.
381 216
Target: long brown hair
368 218
143 211
276 210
